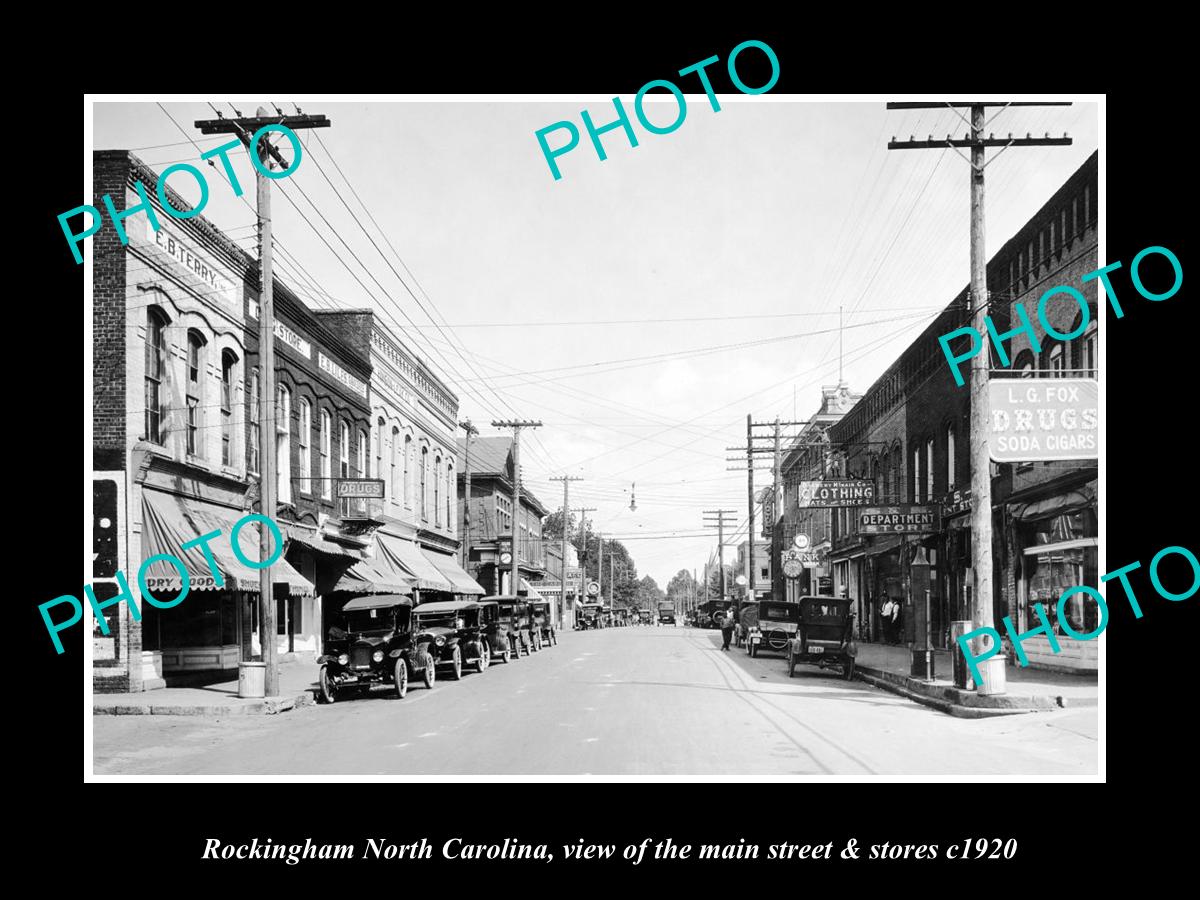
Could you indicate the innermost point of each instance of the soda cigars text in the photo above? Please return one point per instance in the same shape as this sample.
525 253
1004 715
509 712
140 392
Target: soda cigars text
99 606
622 120
118 218
976 339
1121 573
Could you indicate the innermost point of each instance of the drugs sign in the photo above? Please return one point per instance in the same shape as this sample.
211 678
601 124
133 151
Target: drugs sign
1035 419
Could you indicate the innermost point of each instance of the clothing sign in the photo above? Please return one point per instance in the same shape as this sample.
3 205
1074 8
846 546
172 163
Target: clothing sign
836 493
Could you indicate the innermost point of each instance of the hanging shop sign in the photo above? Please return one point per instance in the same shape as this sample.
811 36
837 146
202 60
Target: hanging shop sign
768 510
902 519
956 502
834 493
1036 419
371 488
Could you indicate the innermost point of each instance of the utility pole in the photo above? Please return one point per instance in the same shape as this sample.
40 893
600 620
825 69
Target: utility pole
516 425
248 131
466 531
720 523
583 540
777 512
566 524
981 477
750 503
600 566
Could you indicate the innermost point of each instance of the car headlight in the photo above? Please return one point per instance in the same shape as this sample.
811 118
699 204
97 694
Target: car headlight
377 656
343 659
440 641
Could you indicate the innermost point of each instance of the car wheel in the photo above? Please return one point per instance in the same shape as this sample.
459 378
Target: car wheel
848 669
430 671
753 650
482 662
400 677
505 656
328 688
457 664
791 664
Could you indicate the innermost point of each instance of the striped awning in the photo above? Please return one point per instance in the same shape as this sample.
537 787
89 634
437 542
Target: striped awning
365 578
170 521
455 574
405 558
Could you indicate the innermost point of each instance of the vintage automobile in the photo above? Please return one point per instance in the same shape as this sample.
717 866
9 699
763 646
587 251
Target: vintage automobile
824 635
513 618
452 629
587 615
543 621
644 616
494 634
666 613
769 625
375 643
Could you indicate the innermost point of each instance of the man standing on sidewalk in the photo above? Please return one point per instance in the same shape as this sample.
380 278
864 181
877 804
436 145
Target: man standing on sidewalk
726 629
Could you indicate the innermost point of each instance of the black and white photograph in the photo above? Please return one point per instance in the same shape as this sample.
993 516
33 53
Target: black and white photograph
684 435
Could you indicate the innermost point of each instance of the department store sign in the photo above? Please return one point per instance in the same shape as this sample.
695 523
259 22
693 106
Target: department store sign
902 519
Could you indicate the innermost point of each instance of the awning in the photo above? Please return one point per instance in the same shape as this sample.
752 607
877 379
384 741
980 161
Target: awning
446 606
376 601
885 544
405 558
448 566
170 521
317 543
530 593
1056 505
365 578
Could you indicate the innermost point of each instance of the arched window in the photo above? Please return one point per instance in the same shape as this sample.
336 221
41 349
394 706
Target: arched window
408 473
344 451
379 426
252 406
195 368
950 457
396 489
361 455
451 493
437 491
1024 363
883 486
283 444
915 478
228 364
1084 347
929 470
1056 360
326 455
305 441
155 372
424 482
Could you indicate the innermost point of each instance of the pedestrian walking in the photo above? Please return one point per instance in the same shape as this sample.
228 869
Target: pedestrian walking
726 629
886 614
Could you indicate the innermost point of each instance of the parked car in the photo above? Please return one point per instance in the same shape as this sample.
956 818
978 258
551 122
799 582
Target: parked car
494 634
453 630
513 618
824 635
587 615
542 621
769 625
644 616
375 642
666 614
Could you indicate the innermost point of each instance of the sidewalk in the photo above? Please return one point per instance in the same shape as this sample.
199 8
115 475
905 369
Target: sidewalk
1028 690
297 681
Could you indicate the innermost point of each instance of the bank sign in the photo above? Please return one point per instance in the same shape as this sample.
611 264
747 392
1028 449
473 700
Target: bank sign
1034 419
835 493
902 519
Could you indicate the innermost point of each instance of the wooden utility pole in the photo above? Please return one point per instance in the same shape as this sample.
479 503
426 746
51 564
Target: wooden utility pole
583 540
466 530
566 524
720 523
750 504
249 131
981 477
516 425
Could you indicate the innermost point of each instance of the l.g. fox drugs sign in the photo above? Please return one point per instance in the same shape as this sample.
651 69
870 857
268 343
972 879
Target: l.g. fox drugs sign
832 493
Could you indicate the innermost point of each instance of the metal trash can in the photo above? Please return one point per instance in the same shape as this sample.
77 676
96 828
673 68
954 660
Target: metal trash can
252 679
962 675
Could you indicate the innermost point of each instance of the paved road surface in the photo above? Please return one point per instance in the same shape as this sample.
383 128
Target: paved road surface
624 701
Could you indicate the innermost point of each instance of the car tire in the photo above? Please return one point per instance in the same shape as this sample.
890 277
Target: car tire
430 673
400 677
328 688
482 663
791 664
505 656
457 664
848 670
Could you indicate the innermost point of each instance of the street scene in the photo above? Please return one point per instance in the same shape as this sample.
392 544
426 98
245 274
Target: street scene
422 446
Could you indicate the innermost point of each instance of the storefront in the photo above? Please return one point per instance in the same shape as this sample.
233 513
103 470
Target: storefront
1054 540
214 627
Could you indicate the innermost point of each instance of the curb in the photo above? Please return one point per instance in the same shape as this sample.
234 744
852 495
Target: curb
944 698
267 707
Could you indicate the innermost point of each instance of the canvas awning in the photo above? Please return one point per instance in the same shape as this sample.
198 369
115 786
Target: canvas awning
528 592
317 543
1056 505
405 558
455 574
365 578
170 521
376 601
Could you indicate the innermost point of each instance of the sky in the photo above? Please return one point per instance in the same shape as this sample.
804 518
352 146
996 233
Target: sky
641 306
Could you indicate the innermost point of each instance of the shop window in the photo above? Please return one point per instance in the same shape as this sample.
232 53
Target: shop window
1060 552
228 362
195 363
155 372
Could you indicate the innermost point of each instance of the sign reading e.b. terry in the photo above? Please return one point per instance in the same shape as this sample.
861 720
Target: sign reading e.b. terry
836 493
903 519
1043 419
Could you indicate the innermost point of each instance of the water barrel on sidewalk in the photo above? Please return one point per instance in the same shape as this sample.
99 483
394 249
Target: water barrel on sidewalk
962 675
252 679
